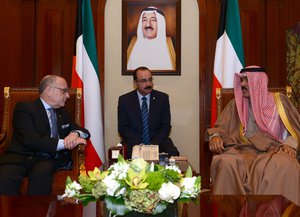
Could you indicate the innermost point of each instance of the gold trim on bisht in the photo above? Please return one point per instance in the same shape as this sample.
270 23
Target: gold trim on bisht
243 138
283 116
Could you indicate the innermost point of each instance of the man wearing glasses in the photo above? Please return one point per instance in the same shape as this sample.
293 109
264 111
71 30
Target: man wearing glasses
131 119
43 136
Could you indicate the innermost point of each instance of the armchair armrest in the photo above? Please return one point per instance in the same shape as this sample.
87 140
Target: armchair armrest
79 156
3 141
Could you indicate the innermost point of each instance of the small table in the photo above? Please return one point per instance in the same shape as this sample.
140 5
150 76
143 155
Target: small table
37 206
208 206
232 205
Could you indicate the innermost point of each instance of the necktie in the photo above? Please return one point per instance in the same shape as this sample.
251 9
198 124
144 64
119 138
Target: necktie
54 131
145 135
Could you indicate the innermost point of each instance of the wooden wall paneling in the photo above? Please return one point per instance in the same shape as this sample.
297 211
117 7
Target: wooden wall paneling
27 64
252 14
16 40
253 36
100 45
280 15
69 39
208 36
202 82
55 36
273 60
15 14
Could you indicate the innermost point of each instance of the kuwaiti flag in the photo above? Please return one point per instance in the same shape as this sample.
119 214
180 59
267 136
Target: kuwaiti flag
229 54
86 75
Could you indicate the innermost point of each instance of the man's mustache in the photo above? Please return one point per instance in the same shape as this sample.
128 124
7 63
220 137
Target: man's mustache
148 87
244 88
149 27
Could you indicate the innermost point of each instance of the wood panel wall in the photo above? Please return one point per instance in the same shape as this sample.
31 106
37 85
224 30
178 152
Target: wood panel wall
37 38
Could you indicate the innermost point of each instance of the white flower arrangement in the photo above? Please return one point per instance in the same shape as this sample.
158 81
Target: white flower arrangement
134 186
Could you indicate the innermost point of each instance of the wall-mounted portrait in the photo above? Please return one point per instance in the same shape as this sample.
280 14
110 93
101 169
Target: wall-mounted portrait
151 35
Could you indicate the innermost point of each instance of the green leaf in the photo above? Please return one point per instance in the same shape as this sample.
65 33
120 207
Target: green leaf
87 200
160 208
116 205
187 200
120 158
184 200
68 180
189 173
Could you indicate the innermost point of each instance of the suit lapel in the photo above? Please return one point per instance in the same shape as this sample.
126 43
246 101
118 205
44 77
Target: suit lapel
153 101
43 114
136 108
59 116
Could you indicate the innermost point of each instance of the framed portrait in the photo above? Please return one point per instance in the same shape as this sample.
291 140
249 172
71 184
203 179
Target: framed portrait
151 36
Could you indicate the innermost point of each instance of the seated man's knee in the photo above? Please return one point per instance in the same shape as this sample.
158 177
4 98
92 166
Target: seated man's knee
283 161
42 168
224 162
9 182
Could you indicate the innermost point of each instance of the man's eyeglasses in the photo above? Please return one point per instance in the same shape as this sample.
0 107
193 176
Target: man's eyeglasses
64 90
145 80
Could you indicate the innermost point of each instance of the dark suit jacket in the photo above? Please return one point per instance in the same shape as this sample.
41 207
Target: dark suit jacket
32 133
130 124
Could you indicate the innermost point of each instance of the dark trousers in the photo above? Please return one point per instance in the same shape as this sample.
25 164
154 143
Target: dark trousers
38 171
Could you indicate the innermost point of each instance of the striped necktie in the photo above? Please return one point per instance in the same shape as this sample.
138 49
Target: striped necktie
145 135
54 131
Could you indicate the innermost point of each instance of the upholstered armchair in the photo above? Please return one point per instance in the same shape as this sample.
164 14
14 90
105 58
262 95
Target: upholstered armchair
73 105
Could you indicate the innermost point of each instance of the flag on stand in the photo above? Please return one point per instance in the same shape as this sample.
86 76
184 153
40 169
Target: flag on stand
85 74
229 54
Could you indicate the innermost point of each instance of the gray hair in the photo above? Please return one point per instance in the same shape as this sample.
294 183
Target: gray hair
47 81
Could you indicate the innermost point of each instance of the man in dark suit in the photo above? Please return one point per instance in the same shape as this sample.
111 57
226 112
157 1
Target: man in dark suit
42 140
130 121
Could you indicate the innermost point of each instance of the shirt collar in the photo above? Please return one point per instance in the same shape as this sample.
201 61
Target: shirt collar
141 96
46 105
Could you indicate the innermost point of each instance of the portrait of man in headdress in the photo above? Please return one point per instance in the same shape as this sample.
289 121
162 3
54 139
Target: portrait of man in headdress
151 36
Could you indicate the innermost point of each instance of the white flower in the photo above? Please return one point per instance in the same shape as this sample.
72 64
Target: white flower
111 184
174 167
72 189
169 192
188 187
151 167
138 164
119 170
120 192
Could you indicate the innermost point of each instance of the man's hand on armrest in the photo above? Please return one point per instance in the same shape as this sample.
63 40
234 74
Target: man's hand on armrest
216 144
72 140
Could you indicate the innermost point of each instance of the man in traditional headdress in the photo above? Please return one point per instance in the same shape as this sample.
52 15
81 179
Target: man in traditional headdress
151 48
257 137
